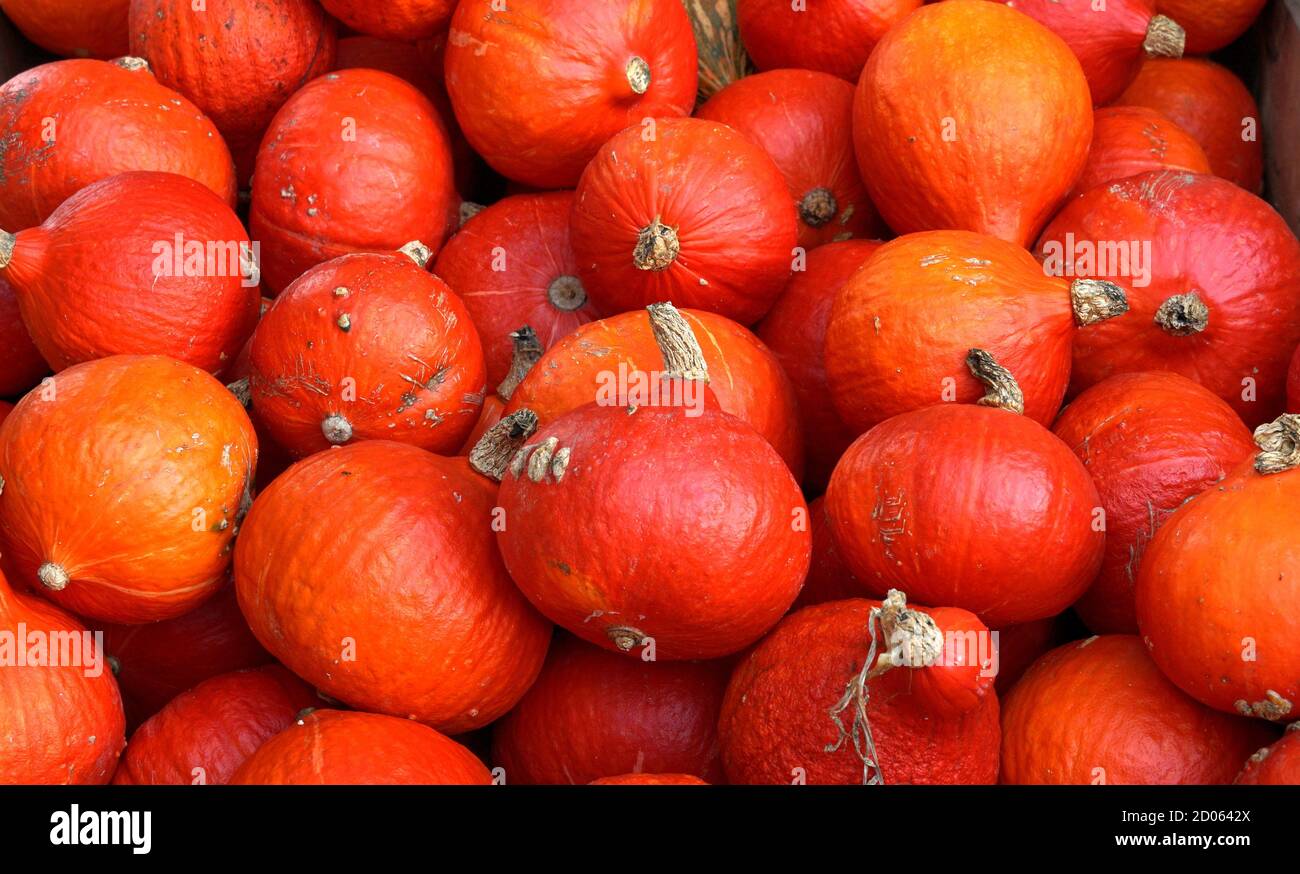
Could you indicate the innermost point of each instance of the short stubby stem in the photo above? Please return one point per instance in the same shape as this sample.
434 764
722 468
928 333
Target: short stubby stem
1279 444
7 241
527 352
1183 315
566 293
1096 300
1165 38
656 247
417 252
625 637
818 207
1003 390
53 576
638 75
492 454
337 430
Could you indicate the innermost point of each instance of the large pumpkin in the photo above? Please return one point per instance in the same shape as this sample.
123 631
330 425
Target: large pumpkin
1150 442
832 36
72 28
663 218
22 365
1131 140
406 20
539 85
125 480
980 87
1212 24
1276 765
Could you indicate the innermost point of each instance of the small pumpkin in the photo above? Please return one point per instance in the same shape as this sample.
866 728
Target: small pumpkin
22 365
829 578
407 20
1212 24
72 28
717 40
1131 140
649 780
1276 765
832 36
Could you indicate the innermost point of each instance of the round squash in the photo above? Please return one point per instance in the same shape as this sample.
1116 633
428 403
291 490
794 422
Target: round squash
829 578
649 780
539 86
1212 24
406 20
22 365
72 28
1276 765
1131 140
832 36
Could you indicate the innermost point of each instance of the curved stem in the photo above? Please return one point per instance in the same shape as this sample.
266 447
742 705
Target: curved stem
491 455
528 351
683 357
1096 300
1165 38
1183 315
1003 390
1279 444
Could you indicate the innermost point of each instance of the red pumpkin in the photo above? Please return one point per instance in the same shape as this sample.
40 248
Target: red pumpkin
789 715
1019 646
125 482
1218 594
367 347
59 723
1211 275
804 121
829 578
1212 105
136 264
1099 711
833 36
663 218
649 780
71 123
1212 24
205 734
595 714
5 409
539 86
22 365
980 87
398 187
1150 442
72 28
1276 765
393 19
238 62
334 747
1131 140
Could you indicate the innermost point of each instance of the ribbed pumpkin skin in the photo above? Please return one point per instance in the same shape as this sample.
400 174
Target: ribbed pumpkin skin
417 584
1210 238
107 120
972 116
1150 442
72 28
396 356
1099 711
22 365
238 61
1277 765
775 718
1212 24
92 281
832 36
829 578
335 747
1212 105
972 506
398 187
717 190
1131 140
203 735
745 377
149 461
804 121
512 265
57 725
407 20
594 714
649 780
540 85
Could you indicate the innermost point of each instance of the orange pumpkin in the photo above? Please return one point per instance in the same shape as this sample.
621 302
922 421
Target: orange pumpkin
1276 765
1130 140
73 28
407 20
1212 24
833 36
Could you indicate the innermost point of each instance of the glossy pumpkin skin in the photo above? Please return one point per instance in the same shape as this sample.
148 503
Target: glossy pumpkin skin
745 377
959 504
335 747
57 724
367 347
398 188
594 714
775 724
1208 238
829 578
22 365
539 86
1276 765
72 28
512 265
1212 24
203 735
831 36
417 585
1150 441
407 20
1098 711
977 86
1131 140
650 780
106 274
107 119
149 461
1210 103
804 121
238 62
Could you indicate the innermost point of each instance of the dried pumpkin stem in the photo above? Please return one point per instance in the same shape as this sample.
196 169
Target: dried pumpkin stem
1183 315
567 293
1096 300
469 209
1279 443
492 454
1165 38
417 252
683 357
7 242
656 247
1003 390
132 63
242 389
53 576
337 429
638 75
818 207
528 351
625 637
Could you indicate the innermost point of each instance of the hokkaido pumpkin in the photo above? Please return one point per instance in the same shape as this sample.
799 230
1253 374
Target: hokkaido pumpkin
717 42
1212 105
412 612
393 19
203 735
71 123
125 480
1210 272
903 324
367 347
900 684
1218 594
724 546
1276 765
595 714
1099 711
662 218
59 722
5 409
804 121
1150 442
972 85
832 36
527 351
137 264
399 185
1212 24
22 366
829 579
72 28
335 747
1131 140
649 780
539 85
238 62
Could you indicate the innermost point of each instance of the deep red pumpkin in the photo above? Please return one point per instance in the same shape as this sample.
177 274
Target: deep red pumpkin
22 366
829 578
1276 765
1212 24
407 20
1131 140
72 28
71 123
833 36
1150 442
